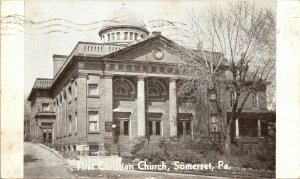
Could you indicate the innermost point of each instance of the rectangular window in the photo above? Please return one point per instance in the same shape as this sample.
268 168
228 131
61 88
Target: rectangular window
93 150
153 69
125 35
188 127
76 121
111 66
93 121
50 137
137 68
45 137
126 127
131 35
184 127
54 106
93 89
156 130
65 95
150 128
70 93
75 90
108 37
255 100
118 35
157 127
180 128
129 67
232 98
120 67
145 68
214 127
162 69
45 107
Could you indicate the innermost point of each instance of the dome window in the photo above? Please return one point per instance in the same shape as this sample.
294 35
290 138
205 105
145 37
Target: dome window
108 37
131 35
125 35
135 36
113 37
118 35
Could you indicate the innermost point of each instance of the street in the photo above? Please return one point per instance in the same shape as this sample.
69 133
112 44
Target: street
41 163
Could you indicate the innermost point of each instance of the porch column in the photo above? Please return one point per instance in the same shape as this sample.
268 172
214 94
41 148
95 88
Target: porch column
141 106
237 131
258 128
173 107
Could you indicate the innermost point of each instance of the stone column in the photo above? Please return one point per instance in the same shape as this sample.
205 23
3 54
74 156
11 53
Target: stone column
81 106
141 106
258 128
108 98
237 130
172 107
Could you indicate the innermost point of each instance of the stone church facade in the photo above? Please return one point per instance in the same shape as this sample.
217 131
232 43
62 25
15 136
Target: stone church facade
105 97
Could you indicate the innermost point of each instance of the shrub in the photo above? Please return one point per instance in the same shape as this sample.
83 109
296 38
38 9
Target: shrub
153 153
237 150
137 147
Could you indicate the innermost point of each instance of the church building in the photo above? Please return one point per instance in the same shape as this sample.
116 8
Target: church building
105 97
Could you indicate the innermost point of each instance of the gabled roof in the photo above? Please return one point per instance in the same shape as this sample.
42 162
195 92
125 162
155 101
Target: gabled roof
138 43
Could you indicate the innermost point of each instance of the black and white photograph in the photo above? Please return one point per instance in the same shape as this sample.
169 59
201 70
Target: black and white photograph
147 89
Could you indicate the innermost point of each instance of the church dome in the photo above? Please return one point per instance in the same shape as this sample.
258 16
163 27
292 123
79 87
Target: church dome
123 27
125 18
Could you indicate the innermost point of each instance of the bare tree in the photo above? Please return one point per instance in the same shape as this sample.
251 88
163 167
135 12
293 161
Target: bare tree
240 53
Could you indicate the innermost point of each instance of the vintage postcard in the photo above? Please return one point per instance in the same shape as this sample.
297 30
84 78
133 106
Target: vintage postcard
146 89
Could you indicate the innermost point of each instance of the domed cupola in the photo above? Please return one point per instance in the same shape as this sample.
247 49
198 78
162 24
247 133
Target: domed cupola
123 26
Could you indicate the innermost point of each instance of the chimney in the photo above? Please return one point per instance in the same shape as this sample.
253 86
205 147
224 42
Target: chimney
156 33
58 61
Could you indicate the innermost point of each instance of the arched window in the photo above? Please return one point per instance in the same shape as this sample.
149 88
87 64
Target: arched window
153 91
156 89
121 90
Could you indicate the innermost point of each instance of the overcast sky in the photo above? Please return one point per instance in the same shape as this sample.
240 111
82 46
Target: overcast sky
40 48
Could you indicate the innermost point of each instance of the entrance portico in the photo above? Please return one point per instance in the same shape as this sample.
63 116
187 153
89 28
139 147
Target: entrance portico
144 106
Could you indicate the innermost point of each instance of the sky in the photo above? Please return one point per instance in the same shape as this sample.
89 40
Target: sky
39 47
